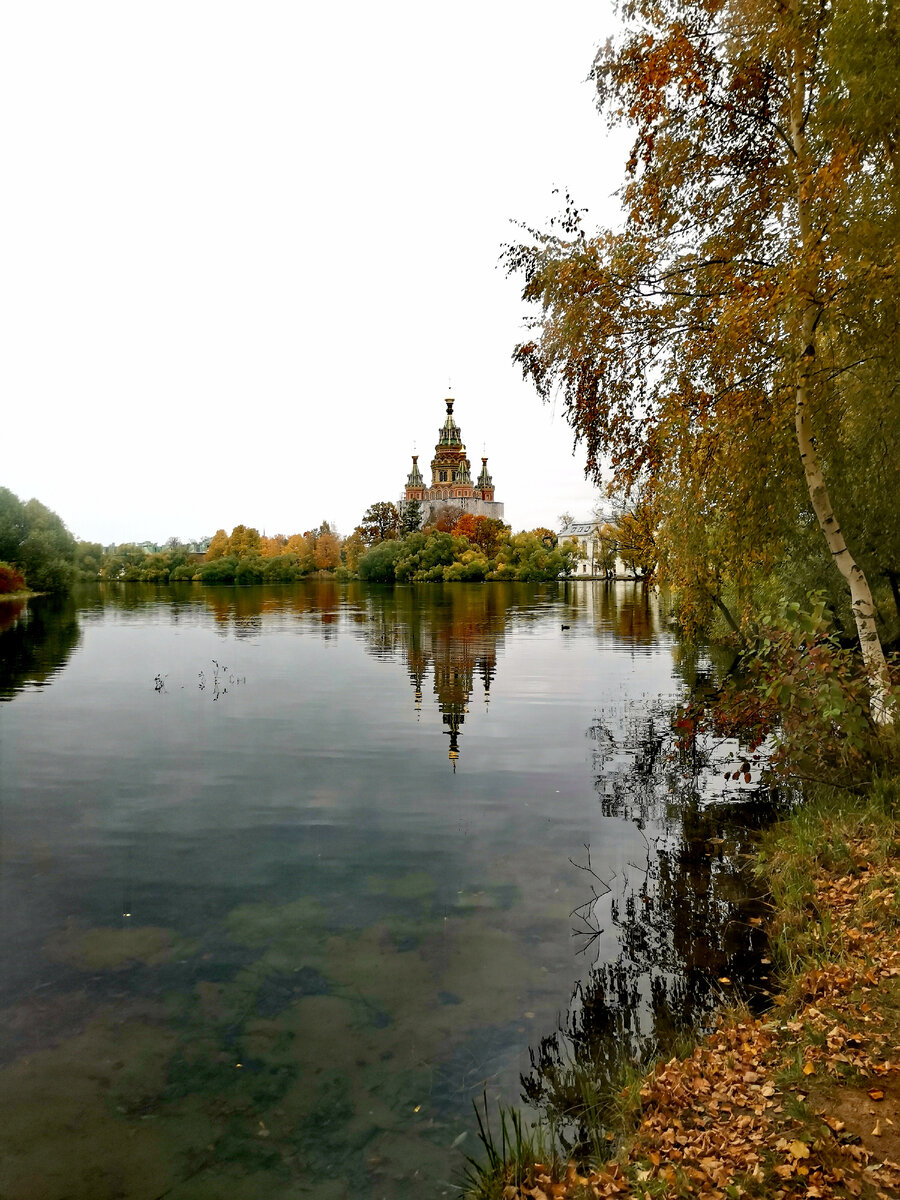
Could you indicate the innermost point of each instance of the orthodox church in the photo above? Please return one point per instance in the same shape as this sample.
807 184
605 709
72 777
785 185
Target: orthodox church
451 478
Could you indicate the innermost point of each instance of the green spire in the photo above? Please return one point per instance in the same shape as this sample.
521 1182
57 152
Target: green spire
415 476
449 434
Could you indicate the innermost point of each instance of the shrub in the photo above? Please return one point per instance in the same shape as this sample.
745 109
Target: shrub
220 570
377 565
11 580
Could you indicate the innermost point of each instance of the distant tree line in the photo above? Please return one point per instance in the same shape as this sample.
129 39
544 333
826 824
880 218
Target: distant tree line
388 545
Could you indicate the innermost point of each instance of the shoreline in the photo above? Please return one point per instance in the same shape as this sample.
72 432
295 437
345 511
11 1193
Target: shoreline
803 1100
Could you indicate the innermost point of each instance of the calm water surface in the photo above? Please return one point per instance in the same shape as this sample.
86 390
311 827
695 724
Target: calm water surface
289 874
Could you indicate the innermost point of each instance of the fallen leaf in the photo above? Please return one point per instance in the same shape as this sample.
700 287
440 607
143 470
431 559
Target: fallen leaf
799 1149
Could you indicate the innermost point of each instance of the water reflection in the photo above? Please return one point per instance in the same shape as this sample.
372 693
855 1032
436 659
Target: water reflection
675 933
273 946
635 613
36 641
456 640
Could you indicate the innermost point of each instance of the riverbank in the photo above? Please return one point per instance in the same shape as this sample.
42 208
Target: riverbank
805 1100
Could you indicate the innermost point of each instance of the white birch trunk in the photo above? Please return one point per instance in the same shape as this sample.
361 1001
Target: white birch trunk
860 593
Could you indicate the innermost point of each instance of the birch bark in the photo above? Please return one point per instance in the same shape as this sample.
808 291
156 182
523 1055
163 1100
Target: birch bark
860 593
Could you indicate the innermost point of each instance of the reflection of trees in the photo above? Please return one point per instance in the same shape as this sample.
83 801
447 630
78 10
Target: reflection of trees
631 611
243 611
37 641
674 932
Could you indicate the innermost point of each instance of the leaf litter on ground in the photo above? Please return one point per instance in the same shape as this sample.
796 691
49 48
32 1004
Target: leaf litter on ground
803 1101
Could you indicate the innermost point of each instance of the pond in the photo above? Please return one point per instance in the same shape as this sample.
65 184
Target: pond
291 875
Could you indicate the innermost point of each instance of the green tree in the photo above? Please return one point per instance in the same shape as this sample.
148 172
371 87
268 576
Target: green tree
36 541
377 565
410 518
607 537
13 525
89 559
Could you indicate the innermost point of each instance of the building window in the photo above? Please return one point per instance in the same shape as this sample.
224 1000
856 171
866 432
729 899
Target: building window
442 476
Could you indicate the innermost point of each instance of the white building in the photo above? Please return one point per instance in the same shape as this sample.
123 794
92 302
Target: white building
590 565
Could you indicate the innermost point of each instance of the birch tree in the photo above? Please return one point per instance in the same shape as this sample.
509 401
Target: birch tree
751 287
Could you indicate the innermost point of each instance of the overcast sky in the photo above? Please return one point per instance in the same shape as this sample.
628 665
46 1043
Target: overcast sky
245 247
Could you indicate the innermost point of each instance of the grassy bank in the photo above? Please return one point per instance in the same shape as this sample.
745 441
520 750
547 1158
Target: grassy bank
804 1101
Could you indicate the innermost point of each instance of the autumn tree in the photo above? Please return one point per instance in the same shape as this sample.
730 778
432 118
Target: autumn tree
607 538
299 545
380 523
353 548
244 540
465 526
218 546
444 517
271 547
11 580
489 534
328 552
635 542
749 294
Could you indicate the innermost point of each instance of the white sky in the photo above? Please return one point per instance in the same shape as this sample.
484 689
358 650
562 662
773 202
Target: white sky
243 247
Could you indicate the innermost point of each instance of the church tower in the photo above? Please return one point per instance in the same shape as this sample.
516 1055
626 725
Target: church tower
451 477
415 484
450 469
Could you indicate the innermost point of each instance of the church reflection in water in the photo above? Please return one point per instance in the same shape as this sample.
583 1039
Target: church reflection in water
454 638
457 663
454 633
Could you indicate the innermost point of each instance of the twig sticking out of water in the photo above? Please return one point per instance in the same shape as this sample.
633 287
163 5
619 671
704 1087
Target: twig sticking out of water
221 677
584 912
